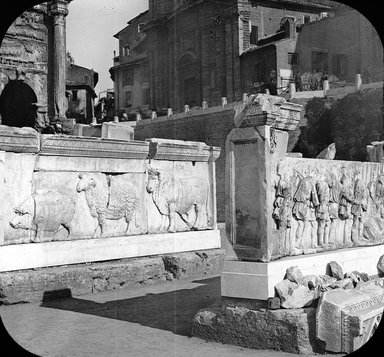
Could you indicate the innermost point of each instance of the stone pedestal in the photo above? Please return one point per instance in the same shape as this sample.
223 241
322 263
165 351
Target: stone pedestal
118 131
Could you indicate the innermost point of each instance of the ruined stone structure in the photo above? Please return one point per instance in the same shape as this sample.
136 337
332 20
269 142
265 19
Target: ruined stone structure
295 226
32 67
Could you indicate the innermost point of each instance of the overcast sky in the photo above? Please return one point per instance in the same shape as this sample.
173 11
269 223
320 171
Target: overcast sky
91 25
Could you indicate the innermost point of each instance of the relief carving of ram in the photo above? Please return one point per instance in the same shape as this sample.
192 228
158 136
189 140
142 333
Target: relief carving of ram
45 211
172 194
120 201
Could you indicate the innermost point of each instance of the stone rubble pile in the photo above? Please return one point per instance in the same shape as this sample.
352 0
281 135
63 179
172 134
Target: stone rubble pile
297 291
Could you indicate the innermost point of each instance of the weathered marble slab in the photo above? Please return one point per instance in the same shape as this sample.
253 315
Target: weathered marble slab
14 139
64 145
118 131
346 319
27 256
178 150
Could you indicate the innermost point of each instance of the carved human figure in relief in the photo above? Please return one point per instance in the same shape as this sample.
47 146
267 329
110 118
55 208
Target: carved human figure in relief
358 208
374 224
333 209
322 210
305 201
282 212
346 199
45 211
120 201
172 194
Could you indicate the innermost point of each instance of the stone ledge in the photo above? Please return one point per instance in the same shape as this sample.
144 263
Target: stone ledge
26 140
64 145
179 150
36 255
37 284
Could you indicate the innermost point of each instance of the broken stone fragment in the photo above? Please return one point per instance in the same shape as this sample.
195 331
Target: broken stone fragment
336 270
293 295
311 281
346 283
362 276
294 274
378 282
327 280
355 278
380 264
274 303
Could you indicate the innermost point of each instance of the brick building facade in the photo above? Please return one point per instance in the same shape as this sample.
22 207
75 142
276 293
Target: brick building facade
341 45
193 48
130 72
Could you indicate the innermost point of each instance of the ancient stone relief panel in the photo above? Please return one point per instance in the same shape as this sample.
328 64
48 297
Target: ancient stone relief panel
76 205
323 205
16 188
180 197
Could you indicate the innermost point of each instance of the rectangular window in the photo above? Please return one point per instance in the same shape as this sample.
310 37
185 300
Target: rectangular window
145 73
258 72
126 50
307 19
341 64
293 58
254 36
319 61
128 77
128 99
146 96
74 95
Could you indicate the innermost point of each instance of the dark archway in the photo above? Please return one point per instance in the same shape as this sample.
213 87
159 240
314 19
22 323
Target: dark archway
188 68
16 107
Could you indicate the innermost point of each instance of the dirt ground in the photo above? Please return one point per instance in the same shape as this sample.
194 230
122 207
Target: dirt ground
152 320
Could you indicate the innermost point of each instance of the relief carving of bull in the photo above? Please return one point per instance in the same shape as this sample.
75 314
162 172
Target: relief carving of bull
173 194
44 211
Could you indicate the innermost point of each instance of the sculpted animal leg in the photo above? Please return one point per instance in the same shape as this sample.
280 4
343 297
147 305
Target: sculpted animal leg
171 227
185 218
67 226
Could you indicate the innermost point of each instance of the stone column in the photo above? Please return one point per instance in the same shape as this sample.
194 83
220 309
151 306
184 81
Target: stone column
57 12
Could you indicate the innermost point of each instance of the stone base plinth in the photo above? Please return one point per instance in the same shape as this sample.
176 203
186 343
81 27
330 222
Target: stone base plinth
291 331
34 285
253 280
36 255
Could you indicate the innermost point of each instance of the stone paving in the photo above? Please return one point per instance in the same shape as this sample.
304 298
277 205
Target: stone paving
151 320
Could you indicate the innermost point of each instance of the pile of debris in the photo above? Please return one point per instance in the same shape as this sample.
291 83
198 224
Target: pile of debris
297 291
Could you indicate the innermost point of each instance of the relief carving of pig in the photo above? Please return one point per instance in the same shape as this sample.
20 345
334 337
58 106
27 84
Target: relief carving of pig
44 211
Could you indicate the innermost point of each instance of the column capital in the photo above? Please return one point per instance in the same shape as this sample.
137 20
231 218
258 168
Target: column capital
58 8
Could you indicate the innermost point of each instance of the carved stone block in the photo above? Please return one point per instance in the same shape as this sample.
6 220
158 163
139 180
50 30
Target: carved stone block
92 147
118 131
178 150
19 139
346 319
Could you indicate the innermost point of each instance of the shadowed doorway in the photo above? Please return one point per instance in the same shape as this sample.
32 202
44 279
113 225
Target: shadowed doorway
16 107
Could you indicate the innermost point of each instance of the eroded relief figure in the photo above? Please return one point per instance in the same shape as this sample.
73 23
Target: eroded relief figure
44 211
333 208
346 199
322 211
358 209
374 224
172 194
120 201
305 201
282 212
